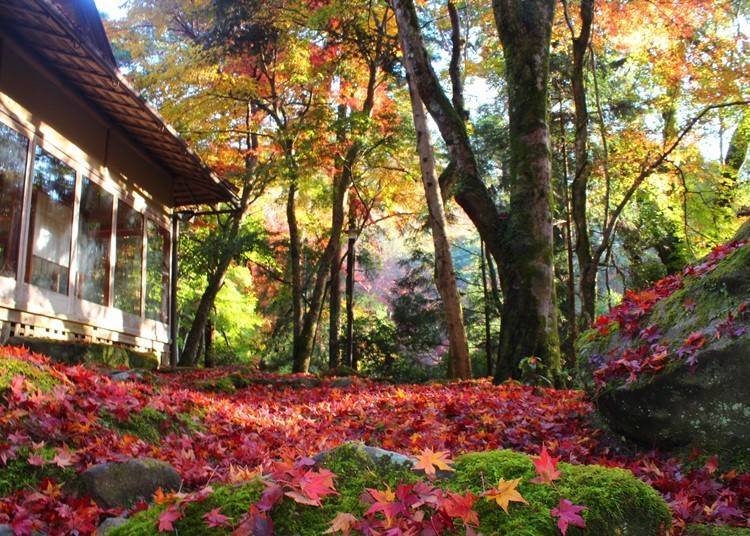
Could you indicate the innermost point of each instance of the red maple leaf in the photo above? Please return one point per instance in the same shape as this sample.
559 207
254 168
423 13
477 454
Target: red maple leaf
567 514
214 518
168 517
461 506
546 468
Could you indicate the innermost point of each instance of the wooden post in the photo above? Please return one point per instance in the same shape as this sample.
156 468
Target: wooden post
174 348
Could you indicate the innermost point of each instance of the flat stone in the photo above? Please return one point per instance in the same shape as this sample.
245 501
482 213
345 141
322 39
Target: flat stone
121 484
109 524
6 530
126 376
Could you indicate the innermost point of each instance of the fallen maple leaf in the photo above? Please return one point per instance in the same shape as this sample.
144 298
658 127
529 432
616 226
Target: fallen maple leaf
215 519
168 517
567 514
462 507
343 522
505 493
428 460
546 468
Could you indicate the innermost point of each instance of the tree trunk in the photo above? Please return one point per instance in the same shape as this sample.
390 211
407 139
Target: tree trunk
529 310
519 238
208 345
295 264
486 300
460 364
351 261
579 190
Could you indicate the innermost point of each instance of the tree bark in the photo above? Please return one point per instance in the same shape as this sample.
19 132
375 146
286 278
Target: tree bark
486 302
519 238
579 188
529 309
460 364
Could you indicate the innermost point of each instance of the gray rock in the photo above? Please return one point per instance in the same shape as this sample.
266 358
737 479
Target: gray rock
376 454
6 530
121 484
704 406
109 525
126 376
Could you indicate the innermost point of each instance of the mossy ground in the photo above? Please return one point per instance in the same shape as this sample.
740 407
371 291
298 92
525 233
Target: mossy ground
617 503
11 367
150 424
19 474
707 530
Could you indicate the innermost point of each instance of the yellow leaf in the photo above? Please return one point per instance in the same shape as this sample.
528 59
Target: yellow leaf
505 493
429 460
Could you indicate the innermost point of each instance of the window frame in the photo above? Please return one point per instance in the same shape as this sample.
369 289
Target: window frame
16 293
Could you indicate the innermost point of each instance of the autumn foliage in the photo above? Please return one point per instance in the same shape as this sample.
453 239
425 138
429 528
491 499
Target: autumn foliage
263 430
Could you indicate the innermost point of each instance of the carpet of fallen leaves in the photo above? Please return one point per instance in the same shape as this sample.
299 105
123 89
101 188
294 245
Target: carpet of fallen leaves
259 423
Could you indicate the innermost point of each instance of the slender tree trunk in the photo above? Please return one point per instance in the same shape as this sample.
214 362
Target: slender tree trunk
303 346
334 307
486 301
529 309
568 235
579 189
351 260
295 263
460 364
208 345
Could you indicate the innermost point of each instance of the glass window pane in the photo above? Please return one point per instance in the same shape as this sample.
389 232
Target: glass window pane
129 246
94 232
13 148
157 271
53 191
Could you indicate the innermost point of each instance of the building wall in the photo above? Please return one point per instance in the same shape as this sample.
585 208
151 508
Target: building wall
36 104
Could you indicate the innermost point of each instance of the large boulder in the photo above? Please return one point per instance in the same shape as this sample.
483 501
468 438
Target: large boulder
122 484
670 366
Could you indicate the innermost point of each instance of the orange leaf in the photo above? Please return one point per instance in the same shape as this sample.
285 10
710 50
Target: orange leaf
428 460
505 493
343 523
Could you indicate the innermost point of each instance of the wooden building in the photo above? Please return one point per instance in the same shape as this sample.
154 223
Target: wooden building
90 180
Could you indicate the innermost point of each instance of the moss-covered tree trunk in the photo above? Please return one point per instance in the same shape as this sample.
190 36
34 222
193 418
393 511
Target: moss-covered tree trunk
529 326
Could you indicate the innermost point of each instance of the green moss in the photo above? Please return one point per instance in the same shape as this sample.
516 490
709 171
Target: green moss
616 501
150 424
35 374
218 385
712 530
73 353
233 501
19 474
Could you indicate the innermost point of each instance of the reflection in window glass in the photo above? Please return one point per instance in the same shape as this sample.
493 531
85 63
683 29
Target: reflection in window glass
53 191
129 244
157 271
13 148
94 233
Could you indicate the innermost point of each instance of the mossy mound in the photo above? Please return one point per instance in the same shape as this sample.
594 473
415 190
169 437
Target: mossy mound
20 474
73 353
617 503
35 374
698 399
